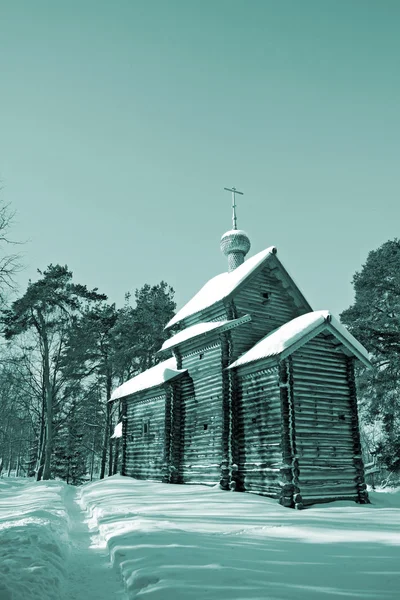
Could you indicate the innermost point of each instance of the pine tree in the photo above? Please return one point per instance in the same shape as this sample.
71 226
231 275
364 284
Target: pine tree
70 451
47 312
374 319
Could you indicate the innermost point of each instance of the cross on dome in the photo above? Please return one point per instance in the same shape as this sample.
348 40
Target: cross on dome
234 192
235 243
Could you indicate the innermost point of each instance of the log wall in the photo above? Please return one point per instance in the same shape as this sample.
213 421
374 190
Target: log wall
325 428
267 313
216 312
147 446
201 411
258 409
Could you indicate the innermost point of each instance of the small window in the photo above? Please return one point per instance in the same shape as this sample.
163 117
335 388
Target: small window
201 355
266 296
342 417
205 426
146 425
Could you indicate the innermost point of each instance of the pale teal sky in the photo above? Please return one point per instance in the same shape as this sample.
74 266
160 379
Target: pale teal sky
122 121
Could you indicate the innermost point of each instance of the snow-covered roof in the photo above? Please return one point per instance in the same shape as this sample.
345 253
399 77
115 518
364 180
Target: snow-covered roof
220 287
117 431
285 338
164 371
201 329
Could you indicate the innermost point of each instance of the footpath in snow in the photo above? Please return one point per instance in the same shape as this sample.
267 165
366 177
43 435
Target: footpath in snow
122 538
46 548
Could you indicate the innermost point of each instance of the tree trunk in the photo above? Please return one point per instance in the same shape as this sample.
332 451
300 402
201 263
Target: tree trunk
92 459
48 446
106 428
39 472
18 459
105 441
116 455
39 441
110 450
10 456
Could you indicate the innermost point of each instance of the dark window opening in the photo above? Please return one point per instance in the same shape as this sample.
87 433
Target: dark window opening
145 427
205 426
201 356
342 417
266 297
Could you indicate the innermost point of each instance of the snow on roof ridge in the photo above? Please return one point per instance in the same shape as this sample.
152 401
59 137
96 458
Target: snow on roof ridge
157 375
220 286
200 329
282 338
191 332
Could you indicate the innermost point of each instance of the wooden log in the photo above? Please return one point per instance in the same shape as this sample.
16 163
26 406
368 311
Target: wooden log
358 462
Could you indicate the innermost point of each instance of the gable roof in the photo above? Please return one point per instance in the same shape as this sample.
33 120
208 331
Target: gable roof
157 375
225 284
200 329
290 336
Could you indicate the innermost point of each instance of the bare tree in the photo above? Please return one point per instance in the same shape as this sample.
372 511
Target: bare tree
9 261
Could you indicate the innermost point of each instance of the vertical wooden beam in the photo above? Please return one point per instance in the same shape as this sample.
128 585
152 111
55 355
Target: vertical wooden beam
165 476
178 357
176 433
226 417
231 312
357 456
286 497
297 498
124 434
235 484
290 491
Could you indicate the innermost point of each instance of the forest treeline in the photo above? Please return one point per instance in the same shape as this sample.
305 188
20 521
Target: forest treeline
65 348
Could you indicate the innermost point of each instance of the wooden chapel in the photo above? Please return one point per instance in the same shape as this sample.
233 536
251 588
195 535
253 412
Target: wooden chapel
255 391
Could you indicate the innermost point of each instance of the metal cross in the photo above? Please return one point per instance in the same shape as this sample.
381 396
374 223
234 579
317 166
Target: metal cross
234 192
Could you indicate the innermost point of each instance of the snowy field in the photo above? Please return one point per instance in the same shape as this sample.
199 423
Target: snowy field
189 542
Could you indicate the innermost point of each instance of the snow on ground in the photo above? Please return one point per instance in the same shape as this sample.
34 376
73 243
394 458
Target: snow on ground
176 542
33 537
46 548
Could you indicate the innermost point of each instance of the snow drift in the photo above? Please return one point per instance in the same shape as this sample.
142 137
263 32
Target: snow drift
33 538
174 542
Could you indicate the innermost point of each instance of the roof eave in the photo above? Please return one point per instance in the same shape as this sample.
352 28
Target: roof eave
217 330
252 274
198 312
160 385
294 288
349 346
325 326
272 252
287 351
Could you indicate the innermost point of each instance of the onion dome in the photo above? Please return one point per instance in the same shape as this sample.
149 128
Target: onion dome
235 244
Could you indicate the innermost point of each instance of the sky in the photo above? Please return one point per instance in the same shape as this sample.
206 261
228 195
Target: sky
122 122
